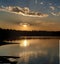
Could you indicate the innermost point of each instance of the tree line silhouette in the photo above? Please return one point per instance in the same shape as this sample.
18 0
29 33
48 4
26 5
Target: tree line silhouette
6 34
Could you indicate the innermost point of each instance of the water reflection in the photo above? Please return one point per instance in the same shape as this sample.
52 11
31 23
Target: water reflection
24 43
26 57
33 51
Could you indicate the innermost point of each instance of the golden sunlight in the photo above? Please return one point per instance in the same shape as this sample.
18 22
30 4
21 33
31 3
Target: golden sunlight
24 25
24 43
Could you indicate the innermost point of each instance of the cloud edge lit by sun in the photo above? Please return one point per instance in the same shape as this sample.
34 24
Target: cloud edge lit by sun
22 11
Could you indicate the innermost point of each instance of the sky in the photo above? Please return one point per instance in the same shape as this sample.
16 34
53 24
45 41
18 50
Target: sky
49 10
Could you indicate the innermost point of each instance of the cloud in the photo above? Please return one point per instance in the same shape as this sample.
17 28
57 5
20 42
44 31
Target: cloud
36 1
55 14
41 2
58 13
52 7
50 3
58 6
22 11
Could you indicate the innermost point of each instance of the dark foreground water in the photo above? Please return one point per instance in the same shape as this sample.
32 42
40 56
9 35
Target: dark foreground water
32 51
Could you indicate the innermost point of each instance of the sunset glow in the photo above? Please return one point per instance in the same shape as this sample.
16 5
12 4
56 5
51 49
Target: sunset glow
30 15
24 25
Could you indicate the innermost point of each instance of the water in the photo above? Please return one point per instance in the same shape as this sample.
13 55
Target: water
32 51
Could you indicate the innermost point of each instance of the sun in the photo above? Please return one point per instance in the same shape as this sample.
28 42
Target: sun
25 25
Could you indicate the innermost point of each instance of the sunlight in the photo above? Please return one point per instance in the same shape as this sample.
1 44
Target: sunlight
24 43
24 25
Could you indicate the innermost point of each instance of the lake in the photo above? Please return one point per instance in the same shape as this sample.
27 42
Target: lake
32 51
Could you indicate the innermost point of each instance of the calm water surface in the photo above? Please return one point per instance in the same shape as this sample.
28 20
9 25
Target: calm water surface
32 51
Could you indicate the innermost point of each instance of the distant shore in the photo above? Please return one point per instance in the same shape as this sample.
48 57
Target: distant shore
6 34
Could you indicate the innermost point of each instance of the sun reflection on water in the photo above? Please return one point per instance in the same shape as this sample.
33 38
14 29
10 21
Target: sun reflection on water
24 43
30 56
